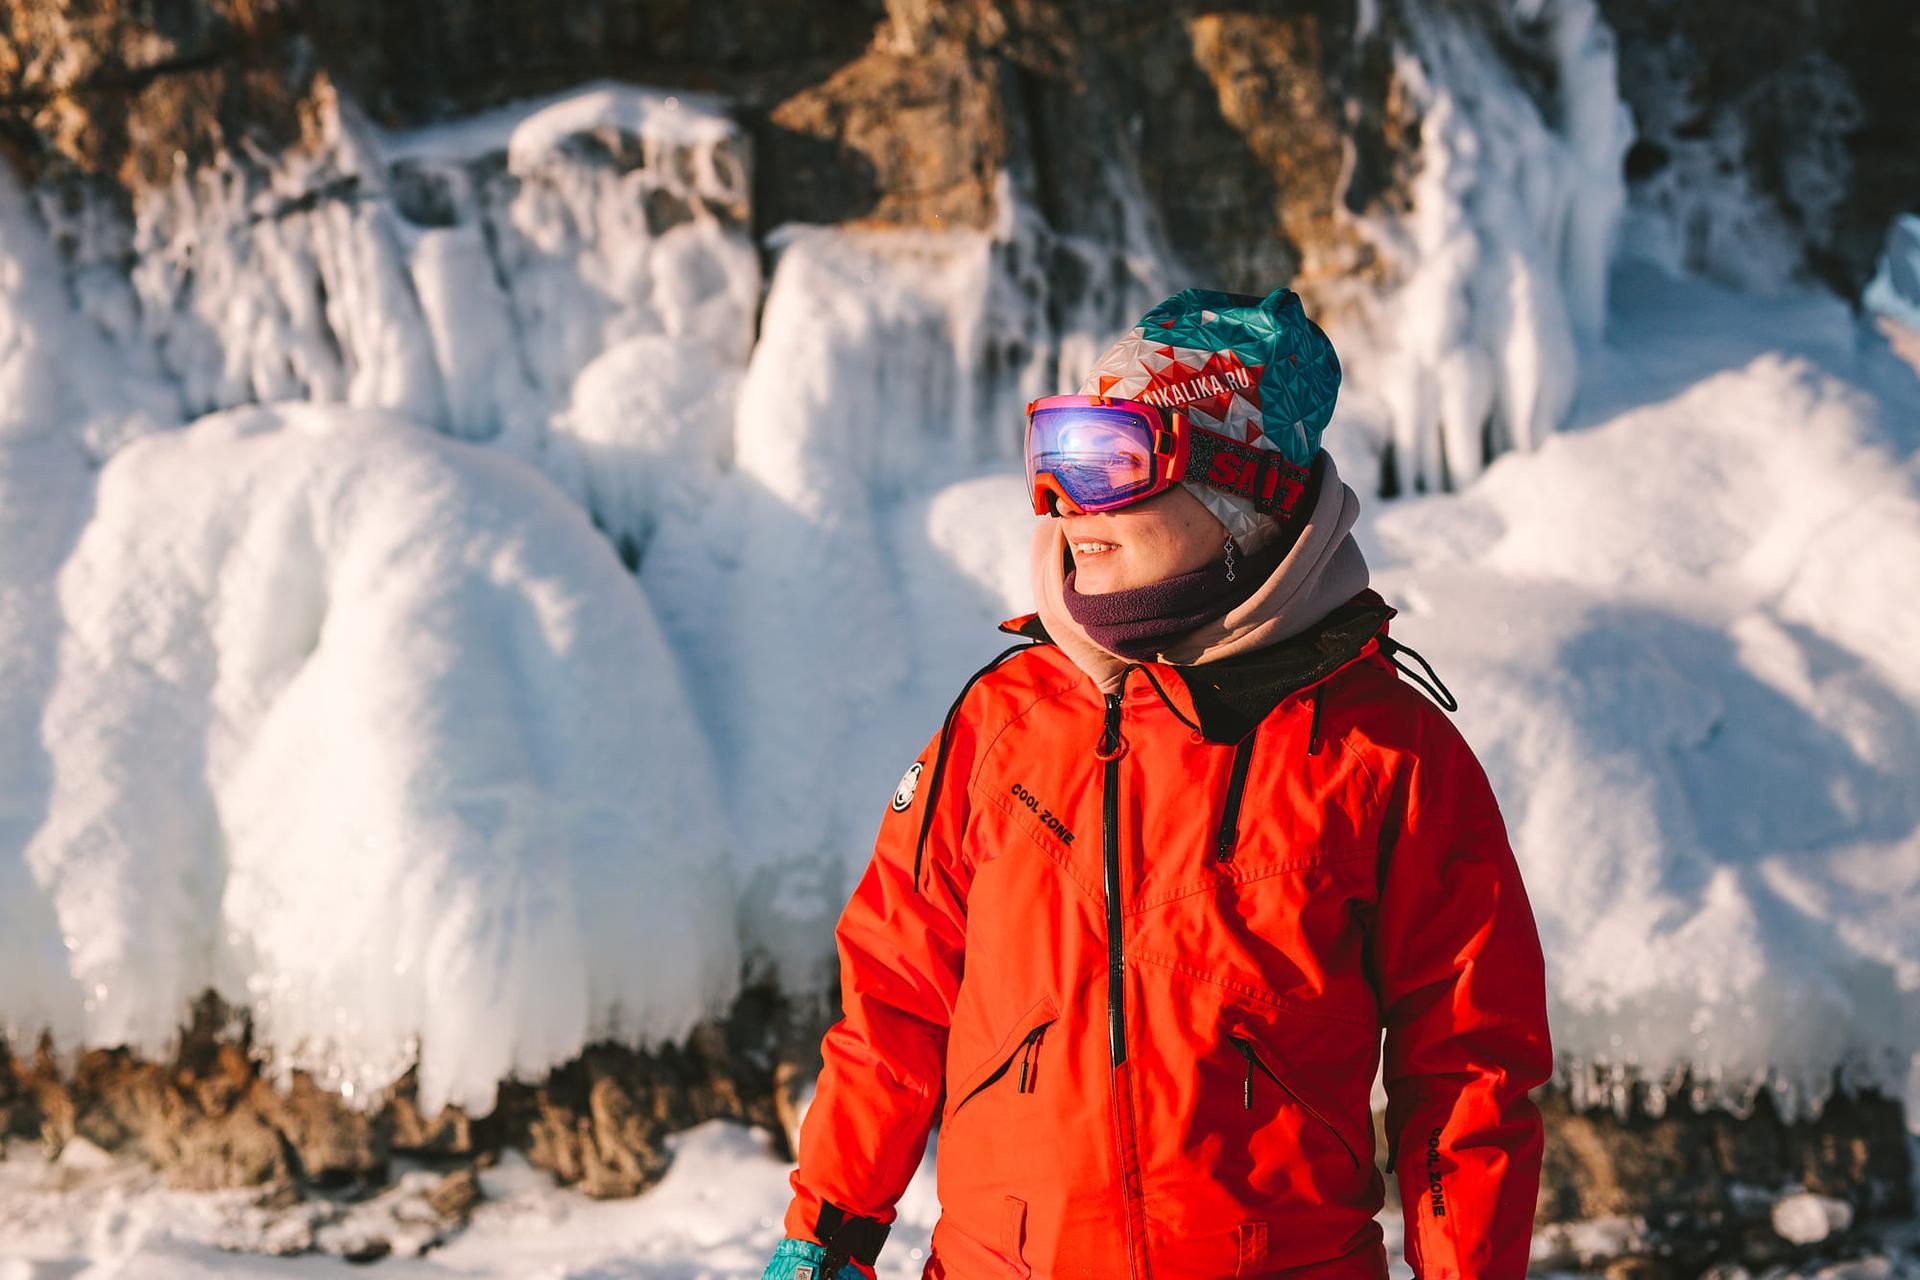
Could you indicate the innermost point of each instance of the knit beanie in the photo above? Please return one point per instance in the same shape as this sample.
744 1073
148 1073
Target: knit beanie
1255 369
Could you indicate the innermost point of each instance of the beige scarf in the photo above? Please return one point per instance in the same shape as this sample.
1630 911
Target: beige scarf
1322 571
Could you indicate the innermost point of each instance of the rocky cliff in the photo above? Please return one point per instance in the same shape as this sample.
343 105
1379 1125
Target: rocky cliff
1251 125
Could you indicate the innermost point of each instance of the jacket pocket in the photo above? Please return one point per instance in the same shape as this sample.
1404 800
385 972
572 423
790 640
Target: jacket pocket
1018 1055
992 1244
1013 1231
1257 1066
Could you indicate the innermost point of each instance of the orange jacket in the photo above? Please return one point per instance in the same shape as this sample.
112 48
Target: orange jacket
1136 960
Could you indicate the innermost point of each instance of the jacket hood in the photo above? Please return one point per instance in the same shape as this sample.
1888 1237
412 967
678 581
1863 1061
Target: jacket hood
1323 572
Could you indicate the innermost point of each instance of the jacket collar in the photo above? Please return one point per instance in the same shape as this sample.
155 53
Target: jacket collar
1229 696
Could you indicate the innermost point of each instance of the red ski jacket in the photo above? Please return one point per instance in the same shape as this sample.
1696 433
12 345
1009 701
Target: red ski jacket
1135 952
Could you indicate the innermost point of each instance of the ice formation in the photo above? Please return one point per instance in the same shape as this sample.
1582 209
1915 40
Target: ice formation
1505 249
367 730
811 588
463 276
54 418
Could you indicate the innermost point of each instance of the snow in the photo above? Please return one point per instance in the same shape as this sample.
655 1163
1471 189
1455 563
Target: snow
1678 632
715 1216
367 730
531 130
1806 1218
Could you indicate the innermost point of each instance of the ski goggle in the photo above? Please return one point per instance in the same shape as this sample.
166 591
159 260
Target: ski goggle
1103 453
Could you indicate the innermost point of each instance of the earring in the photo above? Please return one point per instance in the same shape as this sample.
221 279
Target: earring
1229 559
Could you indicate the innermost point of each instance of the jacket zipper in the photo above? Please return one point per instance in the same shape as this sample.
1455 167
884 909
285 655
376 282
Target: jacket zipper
1255 1060
1028 1047
1229 833
1111 742
1112 746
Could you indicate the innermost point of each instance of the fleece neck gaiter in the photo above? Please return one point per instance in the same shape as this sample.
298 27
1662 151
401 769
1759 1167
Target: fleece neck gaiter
1137 622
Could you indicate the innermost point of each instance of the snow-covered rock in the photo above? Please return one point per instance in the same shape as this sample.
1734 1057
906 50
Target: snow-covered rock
1806 1218
461 275
367 730
1679 633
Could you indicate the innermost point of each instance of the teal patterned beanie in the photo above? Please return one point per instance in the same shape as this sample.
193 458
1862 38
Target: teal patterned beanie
1252 368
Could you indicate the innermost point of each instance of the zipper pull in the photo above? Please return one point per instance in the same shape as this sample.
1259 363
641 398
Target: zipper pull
1111 745
1028 1052
1246 1091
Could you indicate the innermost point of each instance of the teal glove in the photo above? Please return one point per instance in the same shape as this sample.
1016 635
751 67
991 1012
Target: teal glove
804 1260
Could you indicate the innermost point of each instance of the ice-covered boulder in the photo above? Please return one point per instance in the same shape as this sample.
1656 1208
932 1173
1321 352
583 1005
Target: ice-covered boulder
368 730
1680 635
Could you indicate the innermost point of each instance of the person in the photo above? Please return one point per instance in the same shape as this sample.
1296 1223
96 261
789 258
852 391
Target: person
1138 914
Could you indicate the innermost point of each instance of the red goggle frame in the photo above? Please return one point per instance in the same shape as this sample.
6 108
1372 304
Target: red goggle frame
1103 453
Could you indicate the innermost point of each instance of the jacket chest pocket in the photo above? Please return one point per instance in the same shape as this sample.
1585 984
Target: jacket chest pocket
1014 1065
1266 1087
1285 1102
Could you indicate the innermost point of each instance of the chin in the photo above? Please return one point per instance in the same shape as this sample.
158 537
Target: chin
1102 580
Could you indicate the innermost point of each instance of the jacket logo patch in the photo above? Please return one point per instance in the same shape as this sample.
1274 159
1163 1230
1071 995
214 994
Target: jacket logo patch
1046 817
1435 1199
903 794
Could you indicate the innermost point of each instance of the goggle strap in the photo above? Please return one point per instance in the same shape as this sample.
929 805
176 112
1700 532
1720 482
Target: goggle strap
1272 483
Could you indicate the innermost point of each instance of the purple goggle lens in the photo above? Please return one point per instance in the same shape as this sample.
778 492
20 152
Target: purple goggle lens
1101 456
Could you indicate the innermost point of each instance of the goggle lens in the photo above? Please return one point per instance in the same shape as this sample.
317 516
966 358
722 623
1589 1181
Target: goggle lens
1101 456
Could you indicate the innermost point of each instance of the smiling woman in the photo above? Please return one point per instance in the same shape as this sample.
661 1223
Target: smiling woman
1164 1032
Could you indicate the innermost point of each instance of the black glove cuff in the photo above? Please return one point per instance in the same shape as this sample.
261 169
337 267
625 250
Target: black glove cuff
848 1237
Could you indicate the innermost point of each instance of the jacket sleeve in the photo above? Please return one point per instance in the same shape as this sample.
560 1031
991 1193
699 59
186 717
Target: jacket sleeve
1463 997
900 948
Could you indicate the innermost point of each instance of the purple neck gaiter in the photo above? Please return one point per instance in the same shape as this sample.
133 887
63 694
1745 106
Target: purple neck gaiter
1137 622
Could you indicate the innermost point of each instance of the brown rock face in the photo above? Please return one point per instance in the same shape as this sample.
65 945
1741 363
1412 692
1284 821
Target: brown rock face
211 1120
1701 1182
602 1120
1245 123
134 91
1252 132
